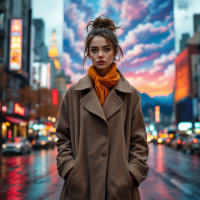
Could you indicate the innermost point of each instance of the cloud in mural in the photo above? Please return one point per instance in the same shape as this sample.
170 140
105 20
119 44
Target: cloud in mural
146 37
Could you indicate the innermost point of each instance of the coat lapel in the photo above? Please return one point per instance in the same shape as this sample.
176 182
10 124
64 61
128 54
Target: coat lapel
92 104
112 104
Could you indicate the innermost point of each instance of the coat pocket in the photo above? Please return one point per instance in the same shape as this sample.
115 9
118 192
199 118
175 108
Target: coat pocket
72 173
129 178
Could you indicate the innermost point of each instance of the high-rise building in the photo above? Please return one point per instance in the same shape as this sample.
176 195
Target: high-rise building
196 19
53 52
40 50
184 41
15 36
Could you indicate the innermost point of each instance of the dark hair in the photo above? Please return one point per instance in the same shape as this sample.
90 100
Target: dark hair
105 27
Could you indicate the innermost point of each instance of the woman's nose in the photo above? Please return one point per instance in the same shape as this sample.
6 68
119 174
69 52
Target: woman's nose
100 54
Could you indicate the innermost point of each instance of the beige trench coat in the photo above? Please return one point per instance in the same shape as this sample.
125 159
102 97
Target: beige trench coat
102 144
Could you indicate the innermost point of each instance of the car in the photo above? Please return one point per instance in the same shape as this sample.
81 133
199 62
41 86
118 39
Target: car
17 145
178 142
169 141
192 143
158 140
43 142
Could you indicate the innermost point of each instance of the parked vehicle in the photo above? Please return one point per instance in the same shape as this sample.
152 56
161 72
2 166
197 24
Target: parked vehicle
17 145
178 142
43 142
169 141
192 143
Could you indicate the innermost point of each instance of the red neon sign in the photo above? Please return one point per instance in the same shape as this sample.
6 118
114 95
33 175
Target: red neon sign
157 114
19 110
54 96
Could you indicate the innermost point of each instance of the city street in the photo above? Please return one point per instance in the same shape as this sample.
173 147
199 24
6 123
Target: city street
172 175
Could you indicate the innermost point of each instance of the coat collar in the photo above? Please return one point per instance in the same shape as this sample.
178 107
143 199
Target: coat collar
112 103
87 83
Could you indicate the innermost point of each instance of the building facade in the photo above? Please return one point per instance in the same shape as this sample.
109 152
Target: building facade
15 36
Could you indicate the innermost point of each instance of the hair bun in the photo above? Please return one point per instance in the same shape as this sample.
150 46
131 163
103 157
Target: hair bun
102 21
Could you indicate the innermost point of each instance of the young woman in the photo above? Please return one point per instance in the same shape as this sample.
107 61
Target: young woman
102 147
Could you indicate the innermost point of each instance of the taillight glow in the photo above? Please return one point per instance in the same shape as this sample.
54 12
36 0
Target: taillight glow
195 141
168 140
183 142
178 141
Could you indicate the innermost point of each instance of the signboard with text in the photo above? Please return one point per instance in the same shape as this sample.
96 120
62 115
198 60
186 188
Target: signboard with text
15 53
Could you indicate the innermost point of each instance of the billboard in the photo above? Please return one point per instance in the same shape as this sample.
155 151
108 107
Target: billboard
146 38
15 51
183 83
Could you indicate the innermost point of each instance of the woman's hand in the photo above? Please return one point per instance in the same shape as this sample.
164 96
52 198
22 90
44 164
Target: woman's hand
132 178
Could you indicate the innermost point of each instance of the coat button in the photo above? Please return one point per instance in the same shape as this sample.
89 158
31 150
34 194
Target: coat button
90 154
103 154
106 134
89 133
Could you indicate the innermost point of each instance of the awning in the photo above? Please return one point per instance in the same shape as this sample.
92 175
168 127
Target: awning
15 120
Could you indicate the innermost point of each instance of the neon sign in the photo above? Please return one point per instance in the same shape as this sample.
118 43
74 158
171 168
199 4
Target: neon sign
15 60
19 110
54 96
157 114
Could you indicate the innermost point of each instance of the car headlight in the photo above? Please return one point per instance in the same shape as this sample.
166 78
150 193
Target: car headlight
3 146
18 146
159 140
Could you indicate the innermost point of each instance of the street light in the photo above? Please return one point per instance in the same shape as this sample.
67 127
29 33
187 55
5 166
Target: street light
53 119
49 118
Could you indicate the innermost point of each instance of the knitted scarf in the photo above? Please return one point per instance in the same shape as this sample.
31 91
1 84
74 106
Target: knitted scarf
102 84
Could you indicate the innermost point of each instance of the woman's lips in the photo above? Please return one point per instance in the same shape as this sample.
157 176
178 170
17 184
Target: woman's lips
101 62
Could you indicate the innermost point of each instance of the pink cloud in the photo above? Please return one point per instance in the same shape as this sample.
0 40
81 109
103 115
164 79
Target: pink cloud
132 36
140 71
155 69
77 17
139 48
137 61
66 63
165 58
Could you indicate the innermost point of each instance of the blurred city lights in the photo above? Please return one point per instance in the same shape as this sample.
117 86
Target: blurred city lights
53 119
184 126
151 127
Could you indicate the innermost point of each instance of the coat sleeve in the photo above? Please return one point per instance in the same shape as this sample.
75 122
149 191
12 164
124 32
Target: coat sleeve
65 160
138 146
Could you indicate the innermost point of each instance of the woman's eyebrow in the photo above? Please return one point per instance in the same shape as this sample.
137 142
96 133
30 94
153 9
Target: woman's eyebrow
103 46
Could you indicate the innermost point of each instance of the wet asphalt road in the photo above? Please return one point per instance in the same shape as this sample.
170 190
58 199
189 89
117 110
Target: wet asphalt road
172 176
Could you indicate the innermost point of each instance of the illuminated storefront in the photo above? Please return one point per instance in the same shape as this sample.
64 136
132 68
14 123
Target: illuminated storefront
14 124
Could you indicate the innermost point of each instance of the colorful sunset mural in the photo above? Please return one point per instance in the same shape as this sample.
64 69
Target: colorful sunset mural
147 40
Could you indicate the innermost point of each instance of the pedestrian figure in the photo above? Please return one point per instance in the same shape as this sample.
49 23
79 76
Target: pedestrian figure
102 147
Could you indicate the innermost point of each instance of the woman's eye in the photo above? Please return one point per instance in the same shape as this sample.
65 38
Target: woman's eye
107 49
94 50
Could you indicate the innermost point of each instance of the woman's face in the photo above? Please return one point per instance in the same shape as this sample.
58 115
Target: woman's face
101 54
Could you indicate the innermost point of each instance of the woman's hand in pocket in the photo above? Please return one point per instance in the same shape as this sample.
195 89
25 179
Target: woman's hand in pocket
132 178
70 172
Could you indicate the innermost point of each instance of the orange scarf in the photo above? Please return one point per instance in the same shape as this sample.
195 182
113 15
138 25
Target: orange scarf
102 84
